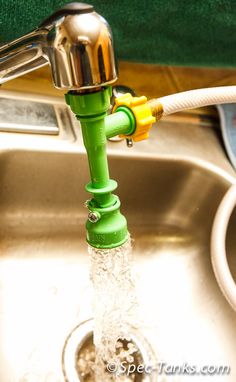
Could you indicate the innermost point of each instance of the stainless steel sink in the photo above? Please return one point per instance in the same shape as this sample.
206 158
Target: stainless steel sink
169 194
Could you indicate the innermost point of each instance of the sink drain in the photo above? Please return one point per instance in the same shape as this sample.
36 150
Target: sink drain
79 356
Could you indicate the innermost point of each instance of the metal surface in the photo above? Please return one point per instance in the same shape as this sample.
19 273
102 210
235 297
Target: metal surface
227 115
79 346
33 114
129 143
77 44
180 176
27 117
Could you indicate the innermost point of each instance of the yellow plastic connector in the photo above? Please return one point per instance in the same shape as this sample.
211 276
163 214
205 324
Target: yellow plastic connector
142 113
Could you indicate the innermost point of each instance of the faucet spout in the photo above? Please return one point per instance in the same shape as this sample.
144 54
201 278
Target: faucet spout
76 42
23 55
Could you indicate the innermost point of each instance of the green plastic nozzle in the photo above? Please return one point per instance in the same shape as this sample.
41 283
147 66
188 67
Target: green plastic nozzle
106 226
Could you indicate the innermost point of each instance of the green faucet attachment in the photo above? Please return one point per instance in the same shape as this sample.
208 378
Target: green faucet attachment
106 226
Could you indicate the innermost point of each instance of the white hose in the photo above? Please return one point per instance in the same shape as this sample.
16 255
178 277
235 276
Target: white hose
190 100
218 244
197 98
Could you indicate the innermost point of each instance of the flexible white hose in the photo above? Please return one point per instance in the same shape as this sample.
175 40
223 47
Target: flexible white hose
218 244
197 98
190 100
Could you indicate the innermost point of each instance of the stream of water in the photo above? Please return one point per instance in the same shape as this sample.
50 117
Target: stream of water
115 308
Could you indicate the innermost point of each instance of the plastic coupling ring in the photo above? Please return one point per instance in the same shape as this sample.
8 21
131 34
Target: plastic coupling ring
110 229
142 113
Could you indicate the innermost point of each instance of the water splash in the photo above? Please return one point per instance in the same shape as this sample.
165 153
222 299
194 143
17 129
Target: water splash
115 307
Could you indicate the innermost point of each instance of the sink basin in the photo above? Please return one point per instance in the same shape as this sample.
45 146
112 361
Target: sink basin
169 201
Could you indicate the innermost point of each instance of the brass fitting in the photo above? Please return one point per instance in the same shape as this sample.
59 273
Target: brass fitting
156 108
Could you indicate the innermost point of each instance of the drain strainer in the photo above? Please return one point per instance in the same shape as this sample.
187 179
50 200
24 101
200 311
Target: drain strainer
79 356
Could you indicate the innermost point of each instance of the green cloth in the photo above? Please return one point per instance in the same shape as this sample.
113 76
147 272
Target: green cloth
176 32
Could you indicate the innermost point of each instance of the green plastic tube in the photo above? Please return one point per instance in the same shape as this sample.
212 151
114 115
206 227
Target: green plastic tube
109 228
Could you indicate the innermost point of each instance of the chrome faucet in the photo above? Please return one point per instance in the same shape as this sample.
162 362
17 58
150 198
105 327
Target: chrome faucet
76 42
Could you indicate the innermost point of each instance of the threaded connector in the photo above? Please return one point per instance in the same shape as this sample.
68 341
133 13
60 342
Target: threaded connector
142 113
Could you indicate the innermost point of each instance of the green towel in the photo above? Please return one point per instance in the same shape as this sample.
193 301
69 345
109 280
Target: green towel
175 32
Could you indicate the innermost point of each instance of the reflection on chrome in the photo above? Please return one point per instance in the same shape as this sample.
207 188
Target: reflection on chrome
76 42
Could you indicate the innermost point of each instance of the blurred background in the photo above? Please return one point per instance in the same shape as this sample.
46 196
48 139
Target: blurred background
162 46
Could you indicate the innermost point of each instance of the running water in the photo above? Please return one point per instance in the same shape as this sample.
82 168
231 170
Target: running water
115 308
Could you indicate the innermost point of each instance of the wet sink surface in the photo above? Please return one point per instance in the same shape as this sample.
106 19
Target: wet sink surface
44 266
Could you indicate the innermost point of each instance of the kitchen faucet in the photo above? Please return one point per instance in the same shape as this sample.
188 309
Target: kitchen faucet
75 41
77 44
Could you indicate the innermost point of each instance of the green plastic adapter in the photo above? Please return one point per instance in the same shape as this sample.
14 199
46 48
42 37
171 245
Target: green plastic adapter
106 226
